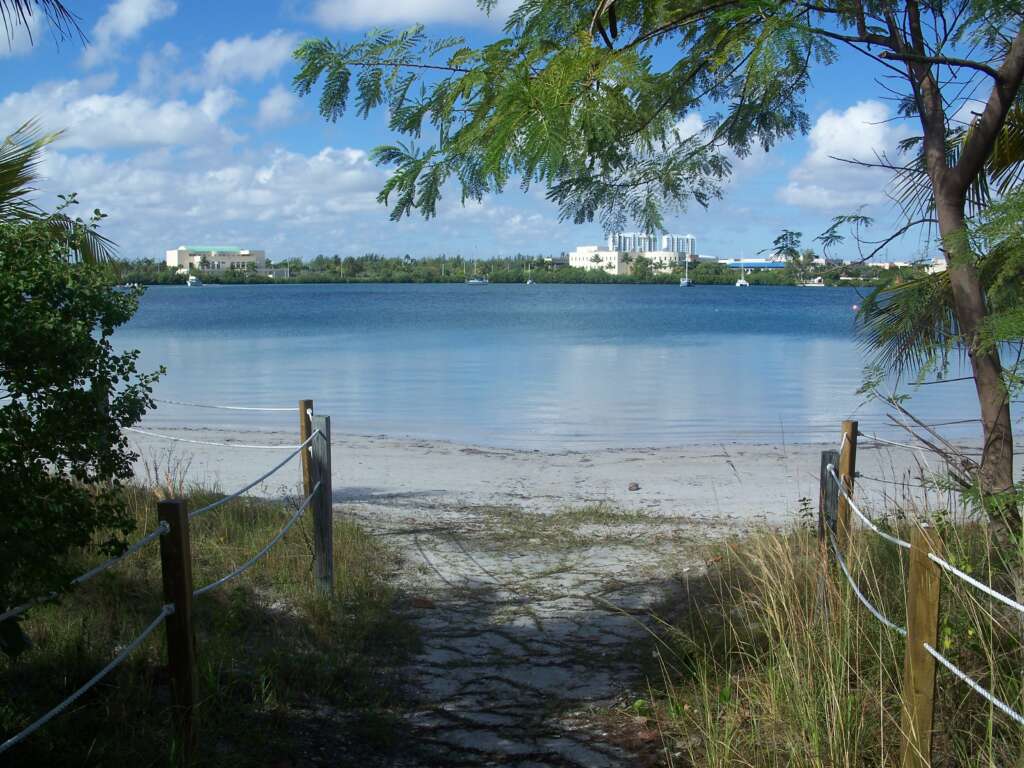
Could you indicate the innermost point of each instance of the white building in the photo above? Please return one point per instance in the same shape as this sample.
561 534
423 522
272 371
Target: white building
637 242
645 243
217 258
684 244
937 265
596 257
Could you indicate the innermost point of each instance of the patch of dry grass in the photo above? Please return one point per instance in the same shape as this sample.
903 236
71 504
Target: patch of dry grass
769 662
273 656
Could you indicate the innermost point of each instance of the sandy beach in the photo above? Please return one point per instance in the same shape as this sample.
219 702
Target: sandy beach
735 483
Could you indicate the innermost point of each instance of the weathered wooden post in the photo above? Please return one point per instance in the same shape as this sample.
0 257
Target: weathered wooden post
176 569
305 430
846 469
323 516
828 502
918 707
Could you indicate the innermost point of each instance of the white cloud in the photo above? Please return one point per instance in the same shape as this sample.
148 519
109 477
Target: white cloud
155 197
124 20
94 119
156 68
277 106
248 58
358 14
216 102
288 202
861 132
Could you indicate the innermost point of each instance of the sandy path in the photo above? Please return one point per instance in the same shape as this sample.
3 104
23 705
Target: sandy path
530 615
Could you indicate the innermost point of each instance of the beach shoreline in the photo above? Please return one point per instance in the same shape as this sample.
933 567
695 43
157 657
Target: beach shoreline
729 481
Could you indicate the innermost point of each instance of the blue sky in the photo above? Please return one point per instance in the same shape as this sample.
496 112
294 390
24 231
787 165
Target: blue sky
182 126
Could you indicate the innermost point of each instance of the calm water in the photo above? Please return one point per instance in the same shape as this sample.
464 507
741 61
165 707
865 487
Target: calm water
539 366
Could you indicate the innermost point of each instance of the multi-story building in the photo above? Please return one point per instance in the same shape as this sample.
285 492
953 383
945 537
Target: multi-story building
217 258
595 257
220 258
684 244
635 242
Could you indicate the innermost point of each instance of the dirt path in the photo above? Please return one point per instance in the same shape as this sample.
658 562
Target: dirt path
530 623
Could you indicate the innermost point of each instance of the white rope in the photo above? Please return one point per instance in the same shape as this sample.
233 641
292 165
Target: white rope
975 583
132 549
964 677
219 407
255 558
883 441
166 611
842 489
207 442
874 611
255 482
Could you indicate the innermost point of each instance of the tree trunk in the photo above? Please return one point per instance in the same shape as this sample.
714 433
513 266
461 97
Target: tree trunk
996 476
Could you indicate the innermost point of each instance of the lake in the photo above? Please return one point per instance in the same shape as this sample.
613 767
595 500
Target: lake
540 367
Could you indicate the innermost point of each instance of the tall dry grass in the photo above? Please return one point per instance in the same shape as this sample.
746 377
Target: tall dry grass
774 662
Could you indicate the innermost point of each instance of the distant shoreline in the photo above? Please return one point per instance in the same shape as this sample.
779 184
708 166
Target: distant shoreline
672 281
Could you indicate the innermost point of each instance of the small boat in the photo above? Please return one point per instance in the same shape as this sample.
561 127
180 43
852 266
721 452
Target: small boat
742 283
685 281
529 281
193 281
815 283
474 280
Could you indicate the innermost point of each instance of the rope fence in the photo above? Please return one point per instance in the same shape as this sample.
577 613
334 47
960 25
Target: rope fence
176 567
860 595
92 572
864 518
257 481
166 611
926 565
949 567
219 407
975 685
161 436
263 552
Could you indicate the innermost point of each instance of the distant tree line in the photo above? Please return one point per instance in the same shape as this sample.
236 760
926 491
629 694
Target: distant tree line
375 268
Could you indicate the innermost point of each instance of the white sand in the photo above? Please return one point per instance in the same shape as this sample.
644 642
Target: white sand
739 482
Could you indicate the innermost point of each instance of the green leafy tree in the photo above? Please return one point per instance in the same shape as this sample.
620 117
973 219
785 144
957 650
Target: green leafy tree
66 394
586 99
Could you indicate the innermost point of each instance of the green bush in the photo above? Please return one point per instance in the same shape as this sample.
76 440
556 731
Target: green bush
66 394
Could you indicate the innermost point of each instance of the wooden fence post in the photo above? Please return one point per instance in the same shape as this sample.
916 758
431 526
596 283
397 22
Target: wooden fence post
828 501
305 430
828 497
176 570
846 469
323 514
918 665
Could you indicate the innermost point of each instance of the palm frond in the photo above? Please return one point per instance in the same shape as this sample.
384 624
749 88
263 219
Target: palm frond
63 23
20 155
912 189
911 325
1006 163
87 244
